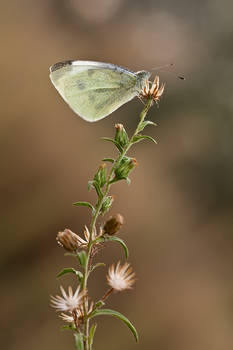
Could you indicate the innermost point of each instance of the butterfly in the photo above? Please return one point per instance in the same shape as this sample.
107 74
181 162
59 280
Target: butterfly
94 90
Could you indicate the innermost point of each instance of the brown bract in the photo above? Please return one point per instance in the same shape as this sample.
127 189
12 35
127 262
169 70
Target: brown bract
153 90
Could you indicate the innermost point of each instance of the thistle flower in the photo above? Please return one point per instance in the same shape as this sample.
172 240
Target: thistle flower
153 90
69 301
120 277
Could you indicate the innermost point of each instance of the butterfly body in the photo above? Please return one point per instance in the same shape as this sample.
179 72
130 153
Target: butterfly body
95 89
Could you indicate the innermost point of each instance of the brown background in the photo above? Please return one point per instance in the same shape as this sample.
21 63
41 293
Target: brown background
178 209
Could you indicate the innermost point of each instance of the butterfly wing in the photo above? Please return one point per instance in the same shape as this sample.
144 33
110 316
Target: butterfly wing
93 89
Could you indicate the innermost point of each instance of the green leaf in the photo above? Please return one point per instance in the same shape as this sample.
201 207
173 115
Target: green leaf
79 341
92 333
118 315
85 204
68 327
70 270
138 138
111 160
82 257
98 189
145 123
118 240
94 184
115 143
96 266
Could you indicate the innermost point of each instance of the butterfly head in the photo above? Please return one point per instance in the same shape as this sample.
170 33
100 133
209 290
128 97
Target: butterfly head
143 76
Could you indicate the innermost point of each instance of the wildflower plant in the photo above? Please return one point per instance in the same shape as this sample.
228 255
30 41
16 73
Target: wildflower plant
76 308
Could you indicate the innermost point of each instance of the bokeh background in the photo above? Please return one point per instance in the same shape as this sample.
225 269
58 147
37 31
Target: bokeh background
178 209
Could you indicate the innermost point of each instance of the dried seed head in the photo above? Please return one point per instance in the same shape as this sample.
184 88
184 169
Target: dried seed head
69 240
153 90
113 224
69 301
120 277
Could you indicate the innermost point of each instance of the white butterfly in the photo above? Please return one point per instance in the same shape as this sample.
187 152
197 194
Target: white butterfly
94 89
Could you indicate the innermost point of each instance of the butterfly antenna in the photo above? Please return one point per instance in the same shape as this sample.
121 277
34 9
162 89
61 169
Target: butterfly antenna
168 65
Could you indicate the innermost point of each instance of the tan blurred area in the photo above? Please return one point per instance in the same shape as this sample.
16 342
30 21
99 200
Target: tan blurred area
178 209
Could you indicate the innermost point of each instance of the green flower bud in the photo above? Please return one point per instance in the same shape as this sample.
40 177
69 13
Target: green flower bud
106 204
101 175
124 168
121 135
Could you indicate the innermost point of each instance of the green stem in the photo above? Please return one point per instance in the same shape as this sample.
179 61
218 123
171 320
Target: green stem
97 212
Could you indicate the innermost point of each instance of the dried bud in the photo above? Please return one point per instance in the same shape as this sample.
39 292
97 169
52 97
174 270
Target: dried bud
68 240
113 224
121 135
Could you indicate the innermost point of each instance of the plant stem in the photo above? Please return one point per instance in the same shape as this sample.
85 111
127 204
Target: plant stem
97 213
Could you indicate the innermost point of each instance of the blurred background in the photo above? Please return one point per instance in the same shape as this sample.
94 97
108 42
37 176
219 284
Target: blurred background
178 209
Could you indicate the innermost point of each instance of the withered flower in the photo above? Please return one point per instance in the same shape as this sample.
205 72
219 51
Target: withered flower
70 240
153 90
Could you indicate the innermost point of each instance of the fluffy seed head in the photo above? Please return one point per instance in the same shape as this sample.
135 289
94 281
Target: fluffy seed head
68 301
120 277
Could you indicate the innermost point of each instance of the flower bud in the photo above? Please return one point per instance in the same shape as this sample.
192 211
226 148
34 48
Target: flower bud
121 135
113 224
101 175
68 240
124 168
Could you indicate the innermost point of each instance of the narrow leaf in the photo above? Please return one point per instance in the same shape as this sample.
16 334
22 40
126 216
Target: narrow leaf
98 189
85 204
145 123
96 266
70 270
119 240
115 143
148 138
79 341
111 160
138 138
118 315
92 333
82 257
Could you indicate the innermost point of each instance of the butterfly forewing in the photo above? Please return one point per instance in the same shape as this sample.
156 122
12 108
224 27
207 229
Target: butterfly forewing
93 89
